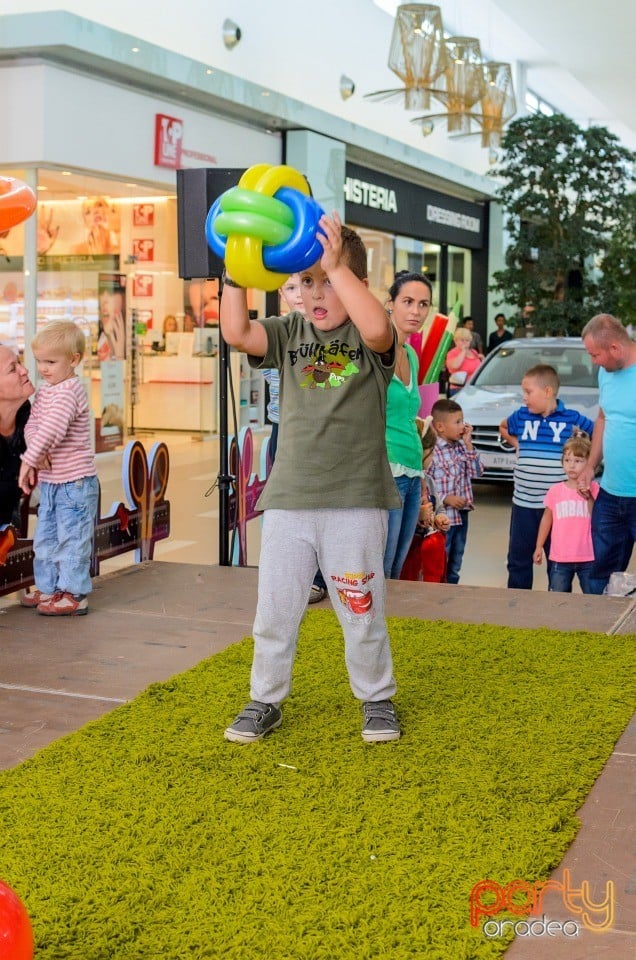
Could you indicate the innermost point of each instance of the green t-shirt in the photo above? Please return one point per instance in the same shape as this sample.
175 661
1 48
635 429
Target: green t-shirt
331 449
403 443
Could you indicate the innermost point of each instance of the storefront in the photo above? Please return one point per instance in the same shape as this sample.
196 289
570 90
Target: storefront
409 227
103 248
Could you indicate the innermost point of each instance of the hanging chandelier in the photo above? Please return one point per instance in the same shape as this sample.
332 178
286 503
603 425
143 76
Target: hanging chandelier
463 83
498 104
417 55
476 96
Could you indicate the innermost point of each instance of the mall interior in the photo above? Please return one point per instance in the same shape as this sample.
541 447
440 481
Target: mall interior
108 111
101 106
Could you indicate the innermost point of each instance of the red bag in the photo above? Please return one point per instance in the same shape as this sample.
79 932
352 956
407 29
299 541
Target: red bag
426 560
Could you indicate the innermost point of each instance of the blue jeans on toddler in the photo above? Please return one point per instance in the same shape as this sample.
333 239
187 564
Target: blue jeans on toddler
562 575
63 541
455 546
402 524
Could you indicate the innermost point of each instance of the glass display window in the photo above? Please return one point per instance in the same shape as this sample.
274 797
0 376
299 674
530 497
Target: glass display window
380 259
417 256
459 281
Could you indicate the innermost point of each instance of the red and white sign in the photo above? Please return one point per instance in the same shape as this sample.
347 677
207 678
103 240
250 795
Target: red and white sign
168 141
143 215
142 285
143 249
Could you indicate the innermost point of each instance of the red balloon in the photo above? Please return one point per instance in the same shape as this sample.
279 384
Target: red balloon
17 202
16 936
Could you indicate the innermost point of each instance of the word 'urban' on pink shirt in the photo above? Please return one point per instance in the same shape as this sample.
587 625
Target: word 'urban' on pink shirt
571 535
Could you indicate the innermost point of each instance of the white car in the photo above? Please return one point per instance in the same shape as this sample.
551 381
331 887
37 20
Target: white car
494 391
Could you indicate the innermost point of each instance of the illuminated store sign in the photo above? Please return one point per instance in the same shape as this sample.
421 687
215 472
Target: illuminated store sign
370 195
452 219
380 202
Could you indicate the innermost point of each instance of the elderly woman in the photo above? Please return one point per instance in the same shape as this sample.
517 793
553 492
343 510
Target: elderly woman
15 389
461 359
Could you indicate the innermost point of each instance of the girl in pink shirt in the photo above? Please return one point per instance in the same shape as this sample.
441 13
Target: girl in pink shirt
567 518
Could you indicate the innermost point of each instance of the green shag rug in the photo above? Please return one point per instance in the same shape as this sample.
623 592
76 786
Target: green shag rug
145 835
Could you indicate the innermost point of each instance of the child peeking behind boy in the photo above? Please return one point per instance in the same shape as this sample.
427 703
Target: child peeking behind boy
538 430
455 464
426 559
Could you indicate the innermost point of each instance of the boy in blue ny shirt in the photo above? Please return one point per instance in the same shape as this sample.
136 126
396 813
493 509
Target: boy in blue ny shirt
538 430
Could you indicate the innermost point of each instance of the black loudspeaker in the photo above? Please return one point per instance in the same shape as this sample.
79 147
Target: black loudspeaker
196 192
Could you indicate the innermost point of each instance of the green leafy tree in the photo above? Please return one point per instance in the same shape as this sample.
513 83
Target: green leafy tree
617 287
562 189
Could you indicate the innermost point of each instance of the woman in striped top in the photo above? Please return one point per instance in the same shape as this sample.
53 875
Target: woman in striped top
58 433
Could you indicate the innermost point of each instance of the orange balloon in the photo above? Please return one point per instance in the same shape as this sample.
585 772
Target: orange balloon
17 202
16 936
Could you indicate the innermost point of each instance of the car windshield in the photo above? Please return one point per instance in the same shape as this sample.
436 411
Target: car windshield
508 366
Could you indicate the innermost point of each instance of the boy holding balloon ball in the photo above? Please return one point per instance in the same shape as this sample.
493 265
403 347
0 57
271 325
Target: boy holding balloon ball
327 498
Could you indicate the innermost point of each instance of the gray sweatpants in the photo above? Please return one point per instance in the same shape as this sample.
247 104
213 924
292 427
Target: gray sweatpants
348 545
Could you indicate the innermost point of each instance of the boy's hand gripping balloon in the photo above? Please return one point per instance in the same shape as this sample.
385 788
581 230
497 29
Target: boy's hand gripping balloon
17 202
265 228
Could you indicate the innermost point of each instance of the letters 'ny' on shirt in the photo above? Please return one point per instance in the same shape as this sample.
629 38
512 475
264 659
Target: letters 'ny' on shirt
541 441
571 534
331 448
617 400
59 428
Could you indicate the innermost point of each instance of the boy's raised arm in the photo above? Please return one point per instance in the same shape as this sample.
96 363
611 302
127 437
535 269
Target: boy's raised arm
364 310
238 330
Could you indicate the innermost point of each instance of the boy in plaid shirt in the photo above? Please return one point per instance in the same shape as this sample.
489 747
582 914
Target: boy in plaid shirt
455 464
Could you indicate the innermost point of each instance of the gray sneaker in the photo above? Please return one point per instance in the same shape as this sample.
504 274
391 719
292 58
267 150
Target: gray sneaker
253 722
380 721
316 594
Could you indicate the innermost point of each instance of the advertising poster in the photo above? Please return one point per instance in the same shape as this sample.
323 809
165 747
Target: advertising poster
111 334
72 233
202 301
109 427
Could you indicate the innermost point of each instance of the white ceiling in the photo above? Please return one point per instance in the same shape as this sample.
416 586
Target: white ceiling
590 57
579 54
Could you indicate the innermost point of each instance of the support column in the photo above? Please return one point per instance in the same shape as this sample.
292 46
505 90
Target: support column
322 161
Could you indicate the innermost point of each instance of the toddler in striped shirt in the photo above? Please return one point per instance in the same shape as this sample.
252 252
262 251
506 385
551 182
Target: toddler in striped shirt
59 458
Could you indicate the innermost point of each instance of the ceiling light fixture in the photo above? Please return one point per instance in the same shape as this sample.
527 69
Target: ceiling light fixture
416 55
231 34
450 71
347 87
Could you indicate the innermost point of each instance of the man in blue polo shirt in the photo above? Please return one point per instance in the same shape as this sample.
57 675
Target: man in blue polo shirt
614 441
538 430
